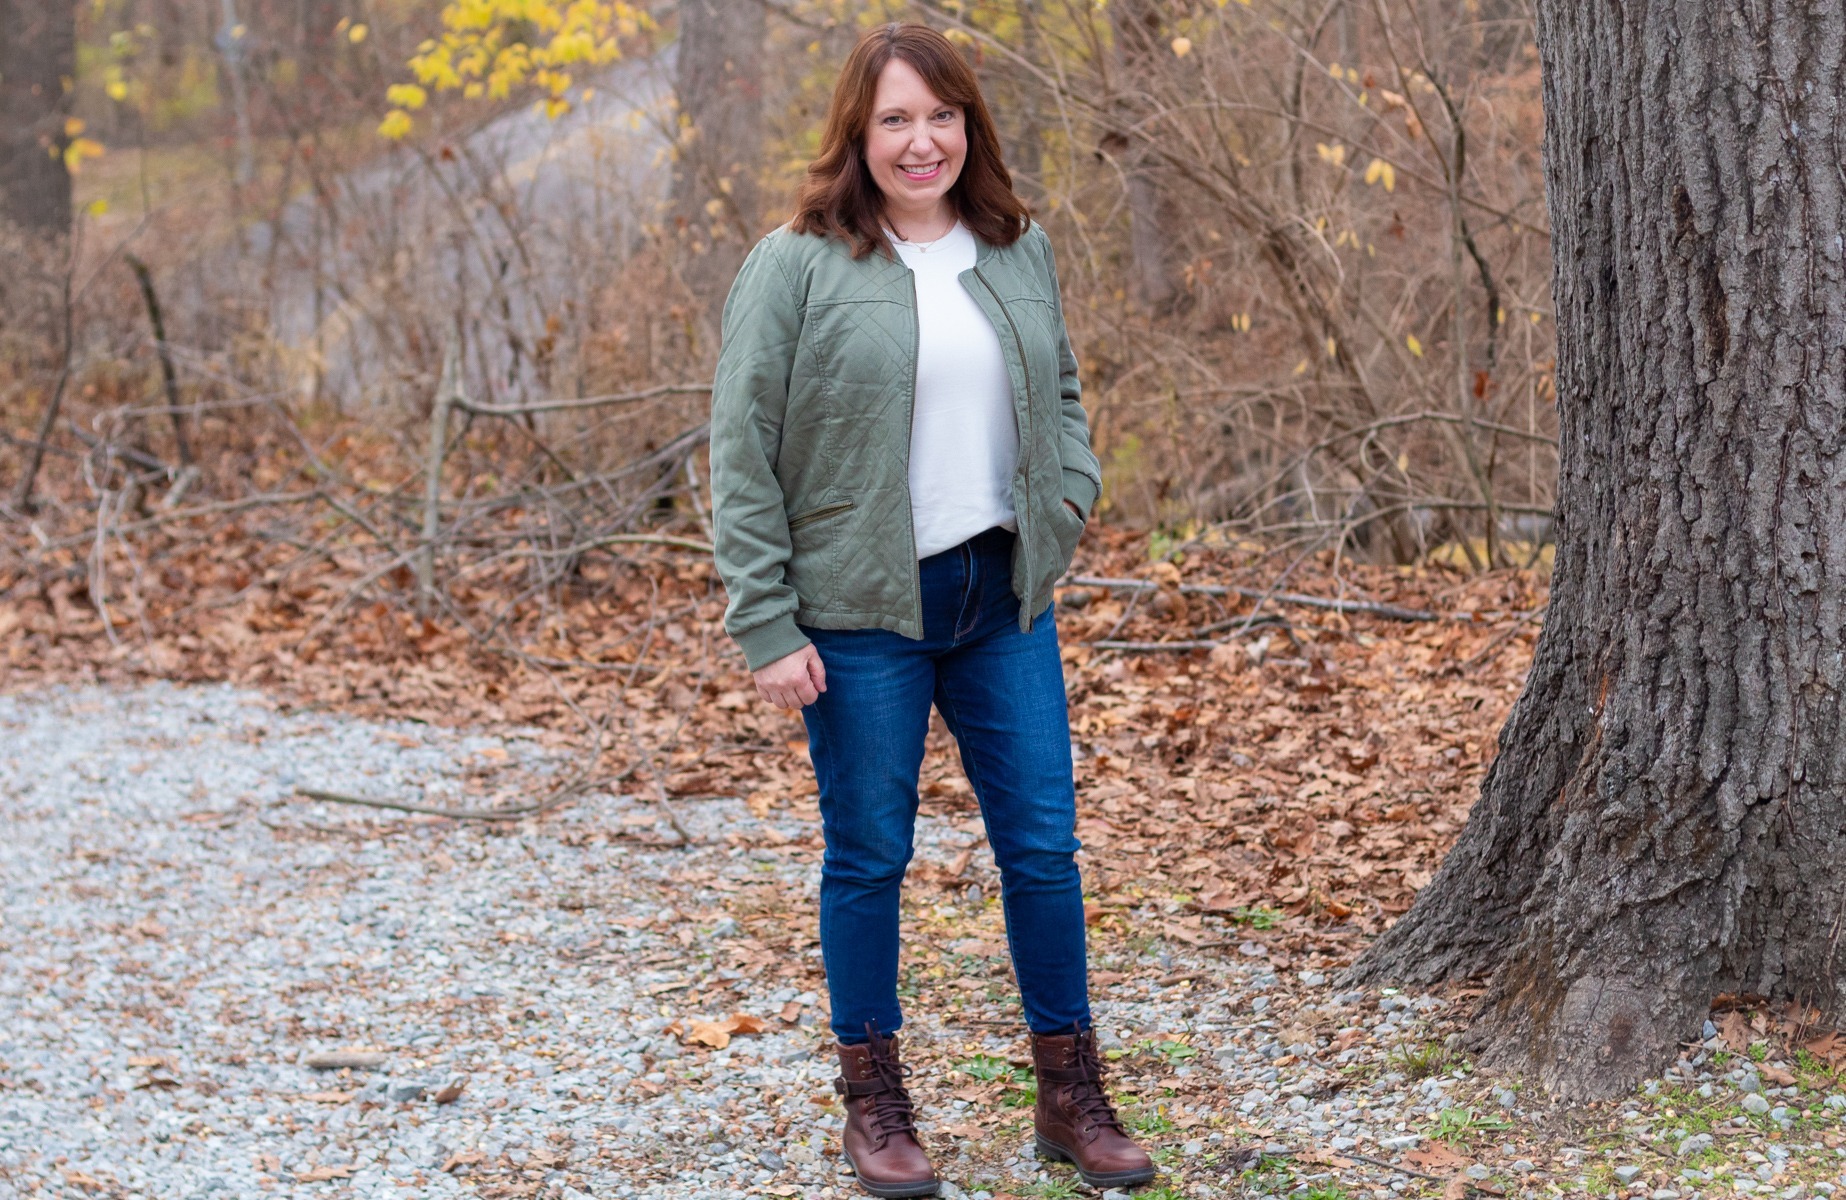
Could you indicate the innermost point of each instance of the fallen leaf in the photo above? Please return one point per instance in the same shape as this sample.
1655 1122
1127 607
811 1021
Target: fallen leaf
964 1131
717 1034
1436 1159
322 1174
88 1183
1735 1031
462 1158
1776 1075
327 1097
1456 1188
451 1091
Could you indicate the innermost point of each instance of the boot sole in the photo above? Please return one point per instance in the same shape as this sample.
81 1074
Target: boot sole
894 1191
1097 1179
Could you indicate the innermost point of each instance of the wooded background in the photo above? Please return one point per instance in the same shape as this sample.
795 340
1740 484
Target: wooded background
268 248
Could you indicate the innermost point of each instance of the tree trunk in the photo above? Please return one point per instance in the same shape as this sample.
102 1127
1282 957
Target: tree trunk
715 207
1139 44
38 47
1666 818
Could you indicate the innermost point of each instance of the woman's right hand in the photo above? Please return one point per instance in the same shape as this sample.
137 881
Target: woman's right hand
794 680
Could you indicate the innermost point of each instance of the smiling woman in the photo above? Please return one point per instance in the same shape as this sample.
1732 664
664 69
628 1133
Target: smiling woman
906 102
901 470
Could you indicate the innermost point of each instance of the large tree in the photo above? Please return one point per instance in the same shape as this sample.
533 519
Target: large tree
1138 49
1666 819
38 47
719 88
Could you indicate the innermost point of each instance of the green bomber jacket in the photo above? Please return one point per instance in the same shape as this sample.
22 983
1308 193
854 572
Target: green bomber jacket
810 436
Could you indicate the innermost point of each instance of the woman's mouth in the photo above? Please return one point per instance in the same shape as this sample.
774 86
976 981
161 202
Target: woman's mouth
925 172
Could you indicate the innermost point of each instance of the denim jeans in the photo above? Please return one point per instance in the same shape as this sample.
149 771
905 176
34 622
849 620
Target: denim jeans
1001 693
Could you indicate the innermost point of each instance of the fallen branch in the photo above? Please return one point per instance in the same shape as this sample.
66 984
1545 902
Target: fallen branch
1366 608
568 791
1155 647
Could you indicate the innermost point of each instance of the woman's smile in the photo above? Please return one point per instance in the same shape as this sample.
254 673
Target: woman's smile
925 172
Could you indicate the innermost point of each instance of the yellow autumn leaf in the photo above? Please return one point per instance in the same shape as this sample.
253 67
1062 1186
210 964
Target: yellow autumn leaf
1182 46
1416 347
356 34
73 126
1335 154
1380 171
396 125
78 150
98 207
407 96
117 90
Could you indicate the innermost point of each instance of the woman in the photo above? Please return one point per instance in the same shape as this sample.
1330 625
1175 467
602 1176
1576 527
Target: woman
901 470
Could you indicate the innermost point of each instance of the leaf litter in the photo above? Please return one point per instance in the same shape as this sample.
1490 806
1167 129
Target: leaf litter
1261 802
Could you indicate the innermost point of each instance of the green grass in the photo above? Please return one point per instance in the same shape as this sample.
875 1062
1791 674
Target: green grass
1326 1191
1151 1121
988 1067
1057 1189
1268 1174
1422 1062
1165 1191
1460 1126
1256 918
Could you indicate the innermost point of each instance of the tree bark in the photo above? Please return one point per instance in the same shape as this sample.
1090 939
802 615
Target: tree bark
715 205
1136 29
38 47
1666 819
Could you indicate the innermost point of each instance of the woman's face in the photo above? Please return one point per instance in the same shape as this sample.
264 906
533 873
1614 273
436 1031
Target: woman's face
915 144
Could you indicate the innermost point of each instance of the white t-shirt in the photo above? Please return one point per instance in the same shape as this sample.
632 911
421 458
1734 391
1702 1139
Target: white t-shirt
964 438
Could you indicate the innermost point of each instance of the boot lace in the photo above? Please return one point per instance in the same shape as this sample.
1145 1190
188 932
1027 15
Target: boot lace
888 1108
1081 1088
1088 1097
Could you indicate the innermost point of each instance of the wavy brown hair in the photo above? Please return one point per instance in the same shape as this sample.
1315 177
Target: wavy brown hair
840 199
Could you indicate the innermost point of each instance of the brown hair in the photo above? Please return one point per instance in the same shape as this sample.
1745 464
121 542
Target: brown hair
839 198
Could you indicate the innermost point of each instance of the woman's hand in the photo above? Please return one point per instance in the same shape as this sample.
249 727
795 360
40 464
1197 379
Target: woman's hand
793 681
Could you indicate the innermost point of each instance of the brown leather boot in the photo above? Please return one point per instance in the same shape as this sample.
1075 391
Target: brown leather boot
881 1134
1075 1121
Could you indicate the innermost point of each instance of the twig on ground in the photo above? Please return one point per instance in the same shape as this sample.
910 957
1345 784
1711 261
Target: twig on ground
1389 1166
1367 608
550 802
1505 636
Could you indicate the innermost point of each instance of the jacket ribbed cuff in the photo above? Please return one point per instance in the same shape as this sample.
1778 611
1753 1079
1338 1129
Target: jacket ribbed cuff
1080 490
772 640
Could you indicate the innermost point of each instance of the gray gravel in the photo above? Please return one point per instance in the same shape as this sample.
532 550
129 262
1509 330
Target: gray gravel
179 936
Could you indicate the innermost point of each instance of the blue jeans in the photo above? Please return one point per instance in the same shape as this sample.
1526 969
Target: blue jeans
1001 693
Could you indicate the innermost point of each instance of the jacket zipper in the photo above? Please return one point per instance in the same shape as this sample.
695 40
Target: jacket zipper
910 420
818 514
1025 447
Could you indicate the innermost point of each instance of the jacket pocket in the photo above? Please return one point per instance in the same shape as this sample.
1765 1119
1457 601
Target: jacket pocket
1067 530
802 519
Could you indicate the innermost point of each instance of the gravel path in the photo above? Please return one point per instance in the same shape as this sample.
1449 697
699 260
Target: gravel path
178 937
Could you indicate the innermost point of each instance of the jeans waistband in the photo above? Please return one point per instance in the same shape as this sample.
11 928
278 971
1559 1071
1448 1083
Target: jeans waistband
988 541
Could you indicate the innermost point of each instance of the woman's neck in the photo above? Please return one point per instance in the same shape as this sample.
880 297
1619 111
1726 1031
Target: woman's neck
925 226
